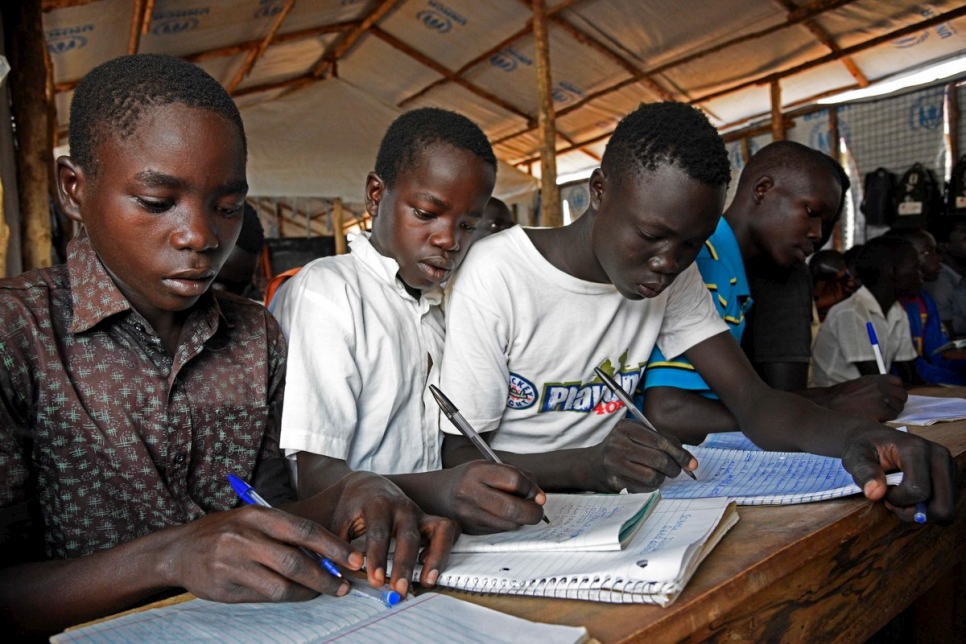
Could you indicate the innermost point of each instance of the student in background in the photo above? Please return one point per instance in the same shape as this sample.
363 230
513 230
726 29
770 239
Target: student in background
365 331
949 287
850 255
131 390
831 280
534 311
924 320
237 274
889 270
496 217
784 195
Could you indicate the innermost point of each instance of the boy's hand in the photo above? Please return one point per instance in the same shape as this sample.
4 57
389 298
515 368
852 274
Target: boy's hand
372 505
930 474
490 497
636 458
252 554
877 397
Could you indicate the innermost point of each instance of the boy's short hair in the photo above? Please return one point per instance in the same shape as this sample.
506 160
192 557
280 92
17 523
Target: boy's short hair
791 155
878 255
417 129
659 134
110 99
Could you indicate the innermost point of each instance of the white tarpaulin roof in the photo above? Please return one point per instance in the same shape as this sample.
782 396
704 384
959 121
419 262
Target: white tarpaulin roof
318 99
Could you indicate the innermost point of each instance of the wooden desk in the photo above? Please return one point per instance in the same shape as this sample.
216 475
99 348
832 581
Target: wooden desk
837 570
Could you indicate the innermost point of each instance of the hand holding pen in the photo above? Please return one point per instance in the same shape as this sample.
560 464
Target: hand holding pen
454 415
248 494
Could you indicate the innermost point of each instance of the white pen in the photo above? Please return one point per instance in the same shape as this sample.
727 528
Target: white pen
875 348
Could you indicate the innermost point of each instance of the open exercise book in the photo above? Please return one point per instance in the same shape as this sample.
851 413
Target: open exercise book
734 467
652 569
578 522
355 618
929 410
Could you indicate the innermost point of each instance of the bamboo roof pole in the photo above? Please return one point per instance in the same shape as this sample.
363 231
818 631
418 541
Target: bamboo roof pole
550 197
953 110
137 22
338 218
28 87
256 53
777 123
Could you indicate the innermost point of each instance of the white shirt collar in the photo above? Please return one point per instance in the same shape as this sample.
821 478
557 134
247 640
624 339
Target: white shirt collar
387 270
867 299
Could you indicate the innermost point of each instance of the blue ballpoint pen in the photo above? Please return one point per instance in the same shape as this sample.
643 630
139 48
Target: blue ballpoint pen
248 494
920 515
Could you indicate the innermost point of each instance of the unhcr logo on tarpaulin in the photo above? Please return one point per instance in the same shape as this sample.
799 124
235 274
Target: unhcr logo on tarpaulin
269 8
508 59
61 41
439 17
169 23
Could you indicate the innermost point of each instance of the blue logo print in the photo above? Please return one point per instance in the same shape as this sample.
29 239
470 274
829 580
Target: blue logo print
268 9
434 20
61 41
522 393
926 114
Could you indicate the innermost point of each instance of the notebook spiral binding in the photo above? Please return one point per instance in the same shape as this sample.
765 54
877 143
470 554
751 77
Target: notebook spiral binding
600 589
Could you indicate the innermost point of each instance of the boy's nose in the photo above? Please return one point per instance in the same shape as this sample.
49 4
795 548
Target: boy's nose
815 229
664 262
196 233
445 238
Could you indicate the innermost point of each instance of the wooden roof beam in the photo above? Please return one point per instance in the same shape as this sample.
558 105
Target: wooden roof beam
506 42
426 61
52 5
825 38
256 53
768 78
327 61
140 17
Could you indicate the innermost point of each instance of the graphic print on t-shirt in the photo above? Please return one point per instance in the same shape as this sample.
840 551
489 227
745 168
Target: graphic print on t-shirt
576 395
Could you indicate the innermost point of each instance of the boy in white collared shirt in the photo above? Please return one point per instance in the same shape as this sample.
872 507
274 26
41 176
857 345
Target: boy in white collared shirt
365 331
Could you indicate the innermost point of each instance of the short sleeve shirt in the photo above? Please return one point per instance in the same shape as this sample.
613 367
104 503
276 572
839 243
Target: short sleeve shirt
723 271
109 436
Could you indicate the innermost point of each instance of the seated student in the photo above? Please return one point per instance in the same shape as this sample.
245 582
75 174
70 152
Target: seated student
131 391
924 323
831 280
496 217
889 270
949 287
534 311
784 195
780 327
365 331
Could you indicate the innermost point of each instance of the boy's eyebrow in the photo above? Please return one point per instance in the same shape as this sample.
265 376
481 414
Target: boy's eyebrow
153 179
434 199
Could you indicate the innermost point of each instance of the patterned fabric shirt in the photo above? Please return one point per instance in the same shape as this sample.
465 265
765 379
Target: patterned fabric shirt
109 437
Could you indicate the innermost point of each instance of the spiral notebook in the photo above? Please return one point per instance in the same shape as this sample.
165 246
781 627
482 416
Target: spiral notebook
754 477
653 568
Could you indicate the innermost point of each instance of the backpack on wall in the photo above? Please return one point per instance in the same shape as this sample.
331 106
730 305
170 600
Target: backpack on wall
878 197
956 190
918 198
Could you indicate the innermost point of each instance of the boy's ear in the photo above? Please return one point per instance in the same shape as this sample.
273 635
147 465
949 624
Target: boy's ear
763 185
70 187
596 186
375 191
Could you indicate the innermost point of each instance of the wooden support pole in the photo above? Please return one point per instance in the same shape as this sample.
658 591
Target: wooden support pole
835 149
256 53
551 214
25 46
952 104
777 123
134 35
338 215
745 151
4 234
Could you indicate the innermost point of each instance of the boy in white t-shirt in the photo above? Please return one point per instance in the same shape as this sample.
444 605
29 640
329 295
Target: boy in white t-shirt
365 332
534 311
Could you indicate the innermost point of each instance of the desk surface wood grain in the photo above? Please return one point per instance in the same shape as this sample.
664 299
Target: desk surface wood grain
835 570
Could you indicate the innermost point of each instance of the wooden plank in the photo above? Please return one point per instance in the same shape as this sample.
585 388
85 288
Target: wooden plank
551 213
952 102
24 40
256 53
134 35
777 124
338 227
345 43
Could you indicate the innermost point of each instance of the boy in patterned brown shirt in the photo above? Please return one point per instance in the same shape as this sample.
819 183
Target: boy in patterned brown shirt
129 391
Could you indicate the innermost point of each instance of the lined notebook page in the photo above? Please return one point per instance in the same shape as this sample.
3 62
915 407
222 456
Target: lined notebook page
929 410
653 567
765 478
578 522
350 619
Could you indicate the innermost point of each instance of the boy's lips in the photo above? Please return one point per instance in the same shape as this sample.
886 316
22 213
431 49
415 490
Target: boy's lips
436 270
650 290
191 282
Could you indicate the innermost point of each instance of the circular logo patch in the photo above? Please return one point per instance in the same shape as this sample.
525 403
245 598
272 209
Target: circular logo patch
522 393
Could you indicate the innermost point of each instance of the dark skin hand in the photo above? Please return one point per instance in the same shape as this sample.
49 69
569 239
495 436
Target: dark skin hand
868 450
248 554
631 457
906 370
483 497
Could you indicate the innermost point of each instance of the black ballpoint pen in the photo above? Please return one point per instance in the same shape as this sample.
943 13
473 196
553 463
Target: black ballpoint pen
455 417
631 407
